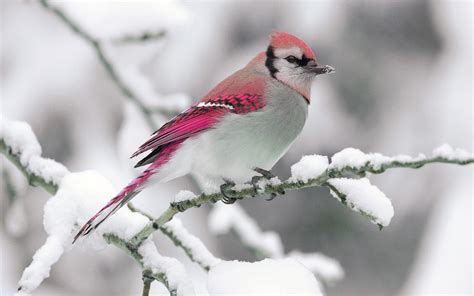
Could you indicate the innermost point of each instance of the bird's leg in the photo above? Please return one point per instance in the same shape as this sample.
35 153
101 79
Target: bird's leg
264 175
228 192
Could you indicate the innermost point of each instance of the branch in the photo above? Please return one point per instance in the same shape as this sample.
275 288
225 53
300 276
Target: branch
33 179
191 245
374 163
109 66
139 258
233 218
19 145
142 37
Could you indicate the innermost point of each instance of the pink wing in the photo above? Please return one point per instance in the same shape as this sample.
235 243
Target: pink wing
196 119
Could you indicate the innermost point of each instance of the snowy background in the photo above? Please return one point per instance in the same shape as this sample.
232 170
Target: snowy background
402 86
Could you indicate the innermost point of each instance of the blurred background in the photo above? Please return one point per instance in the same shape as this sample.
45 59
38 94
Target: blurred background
403 85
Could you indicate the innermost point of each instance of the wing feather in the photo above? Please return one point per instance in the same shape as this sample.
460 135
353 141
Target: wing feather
197 119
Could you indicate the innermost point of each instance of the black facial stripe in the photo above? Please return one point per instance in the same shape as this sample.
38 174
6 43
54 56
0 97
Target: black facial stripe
269 62
303 61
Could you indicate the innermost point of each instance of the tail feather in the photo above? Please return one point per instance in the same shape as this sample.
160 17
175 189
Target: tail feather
115 204
157 159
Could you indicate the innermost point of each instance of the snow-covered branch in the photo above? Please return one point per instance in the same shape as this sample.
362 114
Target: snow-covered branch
73 201
315 171
232 218
191 245
268 244
116 73
18 143
77 195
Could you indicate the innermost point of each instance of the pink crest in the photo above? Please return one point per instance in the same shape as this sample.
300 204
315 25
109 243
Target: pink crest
286 40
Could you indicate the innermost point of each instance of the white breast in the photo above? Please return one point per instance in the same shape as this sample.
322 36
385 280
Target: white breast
242 142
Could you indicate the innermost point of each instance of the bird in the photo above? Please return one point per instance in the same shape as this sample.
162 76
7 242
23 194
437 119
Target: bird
243 125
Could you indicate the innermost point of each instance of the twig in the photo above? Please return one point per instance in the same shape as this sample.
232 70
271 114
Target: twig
33 179
142 37
191 245
98 47
146 283
132 251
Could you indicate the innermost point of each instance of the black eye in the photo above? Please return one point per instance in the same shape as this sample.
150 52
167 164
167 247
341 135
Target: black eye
291 59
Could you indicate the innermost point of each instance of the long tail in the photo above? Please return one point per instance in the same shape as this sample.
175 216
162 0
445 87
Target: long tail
117 202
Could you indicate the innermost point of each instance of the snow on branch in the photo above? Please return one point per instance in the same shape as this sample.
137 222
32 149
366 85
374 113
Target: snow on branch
326 269
223 219
234 219
76 197
131 83
350 161
266 277
19 144
191 245
361 196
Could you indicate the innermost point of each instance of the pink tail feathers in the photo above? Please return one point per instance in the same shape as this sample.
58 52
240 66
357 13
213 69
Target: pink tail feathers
116 203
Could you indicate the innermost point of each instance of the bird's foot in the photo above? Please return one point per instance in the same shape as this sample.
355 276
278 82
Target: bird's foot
267 175
228 192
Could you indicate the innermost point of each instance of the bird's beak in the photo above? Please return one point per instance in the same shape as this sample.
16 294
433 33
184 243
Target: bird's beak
313 67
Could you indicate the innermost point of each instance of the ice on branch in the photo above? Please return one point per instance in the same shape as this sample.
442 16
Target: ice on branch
309 167
327 269
363 197
266 277
19 137
446 151
176 276
224 218
192 245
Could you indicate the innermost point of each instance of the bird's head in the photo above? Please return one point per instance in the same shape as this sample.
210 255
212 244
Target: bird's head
290 60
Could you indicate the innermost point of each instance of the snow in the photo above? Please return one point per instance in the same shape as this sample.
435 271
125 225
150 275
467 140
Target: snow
173 269
224 218
327 269
240 187
263 183
356 159
43 259
309 167
20 138
184 195
446 151
190 242
269 276
361 196
79 196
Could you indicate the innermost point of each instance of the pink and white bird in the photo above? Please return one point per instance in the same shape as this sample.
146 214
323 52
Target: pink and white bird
242 126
